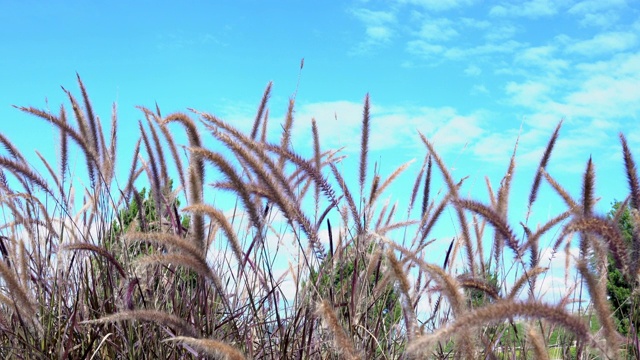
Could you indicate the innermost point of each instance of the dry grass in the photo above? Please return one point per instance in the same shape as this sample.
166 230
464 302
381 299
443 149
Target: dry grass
129 274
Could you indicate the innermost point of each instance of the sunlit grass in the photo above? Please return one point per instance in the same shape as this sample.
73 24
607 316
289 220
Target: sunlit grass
167 273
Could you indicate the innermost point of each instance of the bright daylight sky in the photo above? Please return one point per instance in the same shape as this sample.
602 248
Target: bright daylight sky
468 74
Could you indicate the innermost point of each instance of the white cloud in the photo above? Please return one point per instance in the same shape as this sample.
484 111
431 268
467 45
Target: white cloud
378 26
542 57
555 288
531 9
479 89
593 90
499 32
379 33
606 96
473 70
528 94
591 6
605 43
605 89
560 279
496 147
391 127
620 66
505 47
427 49
424 49
438 5
440 29
475 23
374 17
594 105
457 133
338 122
603 20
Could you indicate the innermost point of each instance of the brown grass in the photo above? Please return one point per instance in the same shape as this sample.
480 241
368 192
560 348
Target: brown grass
387 287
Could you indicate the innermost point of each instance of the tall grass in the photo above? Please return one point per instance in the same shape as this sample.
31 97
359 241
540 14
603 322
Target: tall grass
120 274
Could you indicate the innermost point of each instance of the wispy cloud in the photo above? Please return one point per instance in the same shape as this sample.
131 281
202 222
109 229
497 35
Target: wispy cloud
593 6
544 58
379 27
603 89
438 5
506 47
530 9
496 147
500 31
603 14
428 50
379 33
479 89
528 93
605 43
557 283
473 70
438 29
424 48
395 128
530 74
458 132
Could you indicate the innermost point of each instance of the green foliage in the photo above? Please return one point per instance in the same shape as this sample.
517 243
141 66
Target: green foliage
624 302
339 281
478 298
148 220
151 220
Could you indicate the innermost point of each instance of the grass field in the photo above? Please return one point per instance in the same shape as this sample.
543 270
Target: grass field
94 267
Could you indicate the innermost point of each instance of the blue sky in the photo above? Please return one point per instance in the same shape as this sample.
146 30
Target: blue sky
470 75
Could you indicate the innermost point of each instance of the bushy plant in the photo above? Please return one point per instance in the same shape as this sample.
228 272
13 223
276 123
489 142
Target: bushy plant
622 290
